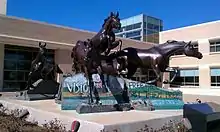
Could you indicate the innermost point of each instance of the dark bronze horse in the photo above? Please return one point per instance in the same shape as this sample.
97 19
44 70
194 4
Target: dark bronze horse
103 41
87 54
41 68
156 58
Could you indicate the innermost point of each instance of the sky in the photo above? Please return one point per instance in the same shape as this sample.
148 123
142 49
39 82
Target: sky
90 14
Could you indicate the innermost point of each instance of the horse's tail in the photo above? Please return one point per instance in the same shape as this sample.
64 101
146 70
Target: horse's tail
120 53
73 53
74 57
58 70
120 45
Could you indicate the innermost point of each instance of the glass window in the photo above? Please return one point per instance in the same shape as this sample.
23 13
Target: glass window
23 65
136 38
215 76
116 31
154 38
10 64
133 34
10 86
145 31
145 25
150 32
26 75
156 27
186 77
161 28
24 55
20 76
150 26
10 75
214 45
133 26
138 25
130 27
10 54
217 48
17 63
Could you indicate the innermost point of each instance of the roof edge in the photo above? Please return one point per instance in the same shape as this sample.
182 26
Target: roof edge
35 40
64 27
45 23
191 26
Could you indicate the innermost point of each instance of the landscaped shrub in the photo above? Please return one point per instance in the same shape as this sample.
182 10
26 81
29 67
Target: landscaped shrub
10 122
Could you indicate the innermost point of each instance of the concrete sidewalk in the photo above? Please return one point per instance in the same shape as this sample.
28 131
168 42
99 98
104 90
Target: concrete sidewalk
127 121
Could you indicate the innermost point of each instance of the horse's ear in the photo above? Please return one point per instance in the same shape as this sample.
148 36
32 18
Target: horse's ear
45 44
40 44
188 43
111 14
117 14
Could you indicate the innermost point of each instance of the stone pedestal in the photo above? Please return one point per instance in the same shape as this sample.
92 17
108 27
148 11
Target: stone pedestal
93 108
45 90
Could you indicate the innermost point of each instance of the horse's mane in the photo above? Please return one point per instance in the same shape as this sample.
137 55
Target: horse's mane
105 20
171 41
168 42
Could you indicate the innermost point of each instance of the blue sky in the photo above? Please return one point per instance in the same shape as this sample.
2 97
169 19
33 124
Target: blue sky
89 14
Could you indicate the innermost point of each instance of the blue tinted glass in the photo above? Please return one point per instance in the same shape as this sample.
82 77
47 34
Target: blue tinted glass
150 26
133 34
136 38
215 72
189 73
150 32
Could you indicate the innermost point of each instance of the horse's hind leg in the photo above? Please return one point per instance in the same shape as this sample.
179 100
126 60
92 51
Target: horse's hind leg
104 85
131 71
157 72
89 77
171 69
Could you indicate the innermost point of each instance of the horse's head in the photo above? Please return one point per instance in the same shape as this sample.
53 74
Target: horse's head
112 22
42 48
189 50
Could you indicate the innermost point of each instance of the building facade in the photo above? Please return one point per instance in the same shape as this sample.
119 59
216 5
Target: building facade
19 40
197 76
3 6
141 27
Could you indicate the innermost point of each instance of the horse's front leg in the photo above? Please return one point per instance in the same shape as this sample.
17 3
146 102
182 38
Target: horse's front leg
29 82
89 78
171 69
157 72
115 44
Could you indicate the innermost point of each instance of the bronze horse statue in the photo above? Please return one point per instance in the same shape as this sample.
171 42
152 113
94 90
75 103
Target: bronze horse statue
156 58
87 54
41 68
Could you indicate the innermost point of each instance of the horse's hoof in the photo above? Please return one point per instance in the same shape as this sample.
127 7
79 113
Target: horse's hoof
31 88
165 82
98 103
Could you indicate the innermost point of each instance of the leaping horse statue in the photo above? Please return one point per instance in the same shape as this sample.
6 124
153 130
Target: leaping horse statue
156 58
87 54
41 68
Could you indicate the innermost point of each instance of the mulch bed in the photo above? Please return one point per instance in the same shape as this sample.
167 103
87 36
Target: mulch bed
9 122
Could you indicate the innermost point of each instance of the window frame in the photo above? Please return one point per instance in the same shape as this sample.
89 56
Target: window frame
214 44
194 84
214 84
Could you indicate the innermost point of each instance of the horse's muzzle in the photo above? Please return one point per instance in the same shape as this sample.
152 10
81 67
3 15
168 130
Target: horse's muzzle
199 56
